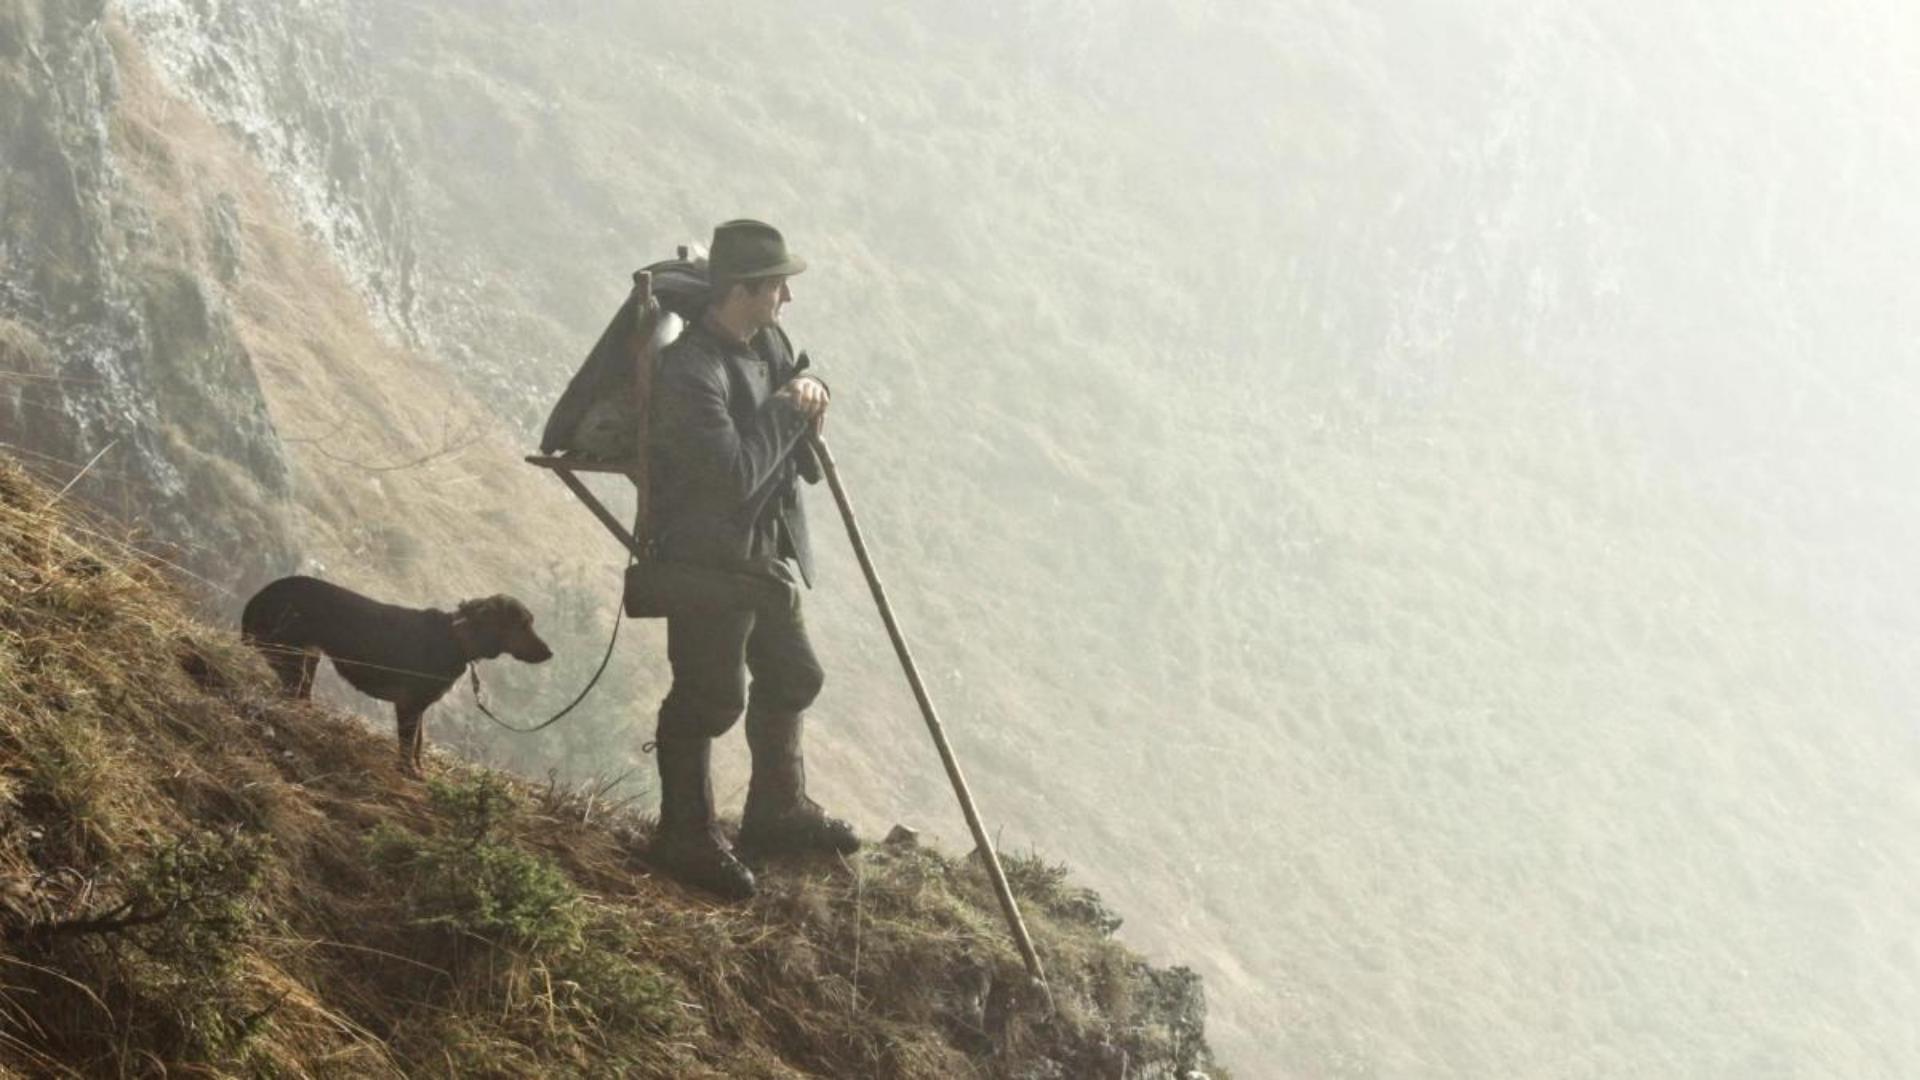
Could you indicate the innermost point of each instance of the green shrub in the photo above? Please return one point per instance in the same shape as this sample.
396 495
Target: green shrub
190 907
471 879
202 894
1173 1010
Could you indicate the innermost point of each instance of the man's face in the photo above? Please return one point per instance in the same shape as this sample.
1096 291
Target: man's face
765 299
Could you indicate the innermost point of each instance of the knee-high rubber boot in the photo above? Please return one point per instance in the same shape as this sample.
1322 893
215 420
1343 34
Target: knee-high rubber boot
779 817
688 846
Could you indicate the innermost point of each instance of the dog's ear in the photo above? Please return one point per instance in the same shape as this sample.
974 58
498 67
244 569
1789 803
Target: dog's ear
497 610
503 607
514 611
480 622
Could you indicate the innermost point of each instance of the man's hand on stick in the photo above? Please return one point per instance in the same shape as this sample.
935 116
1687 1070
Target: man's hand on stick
810 395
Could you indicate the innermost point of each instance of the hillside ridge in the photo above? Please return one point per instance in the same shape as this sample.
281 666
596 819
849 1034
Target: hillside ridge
196 875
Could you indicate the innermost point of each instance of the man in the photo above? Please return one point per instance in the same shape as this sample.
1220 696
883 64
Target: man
731 411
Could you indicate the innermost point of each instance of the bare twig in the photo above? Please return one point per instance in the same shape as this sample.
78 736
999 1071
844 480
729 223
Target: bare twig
423 459
84 469
469 434
859 890
112 921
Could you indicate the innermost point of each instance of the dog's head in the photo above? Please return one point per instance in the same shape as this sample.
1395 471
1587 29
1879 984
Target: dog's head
500 624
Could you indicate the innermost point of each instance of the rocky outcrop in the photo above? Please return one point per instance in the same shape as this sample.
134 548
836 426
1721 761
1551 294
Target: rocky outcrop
112 342
289 82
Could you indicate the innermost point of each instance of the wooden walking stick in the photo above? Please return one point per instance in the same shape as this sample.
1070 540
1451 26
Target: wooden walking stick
1008 906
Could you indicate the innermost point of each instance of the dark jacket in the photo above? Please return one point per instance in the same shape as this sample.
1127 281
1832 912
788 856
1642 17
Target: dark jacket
724 452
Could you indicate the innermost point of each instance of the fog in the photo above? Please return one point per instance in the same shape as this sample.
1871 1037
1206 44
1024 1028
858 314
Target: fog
1414 502
1578 425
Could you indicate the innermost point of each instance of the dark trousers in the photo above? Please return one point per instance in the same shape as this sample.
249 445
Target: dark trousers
712 656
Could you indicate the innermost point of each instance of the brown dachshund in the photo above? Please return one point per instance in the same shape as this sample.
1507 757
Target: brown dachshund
407 656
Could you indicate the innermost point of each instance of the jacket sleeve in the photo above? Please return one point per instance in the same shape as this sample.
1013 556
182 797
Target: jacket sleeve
715 455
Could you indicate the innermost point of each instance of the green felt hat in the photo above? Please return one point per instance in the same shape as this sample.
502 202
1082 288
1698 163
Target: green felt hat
745 250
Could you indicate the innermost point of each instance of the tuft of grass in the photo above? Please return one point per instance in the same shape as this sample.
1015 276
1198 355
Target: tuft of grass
1049 886
65 774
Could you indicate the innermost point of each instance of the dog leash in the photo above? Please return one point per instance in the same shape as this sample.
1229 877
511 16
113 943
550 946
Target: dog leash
473 674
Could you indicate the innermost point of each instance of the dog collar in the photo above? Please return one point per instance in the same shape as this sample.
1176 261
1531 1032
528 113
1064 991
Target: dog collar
461 640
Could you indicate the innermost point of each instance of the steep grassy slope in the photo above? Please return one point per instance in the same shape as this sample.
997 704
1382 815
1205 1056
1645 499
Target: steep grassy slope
197 876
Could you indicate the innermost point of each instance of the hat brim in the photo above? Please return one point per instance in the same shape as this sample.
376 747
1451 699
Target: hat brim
792 265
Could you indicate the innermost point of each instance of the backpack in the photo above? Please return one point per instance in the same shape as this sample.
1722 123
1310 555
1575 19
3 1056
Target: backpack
602 415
